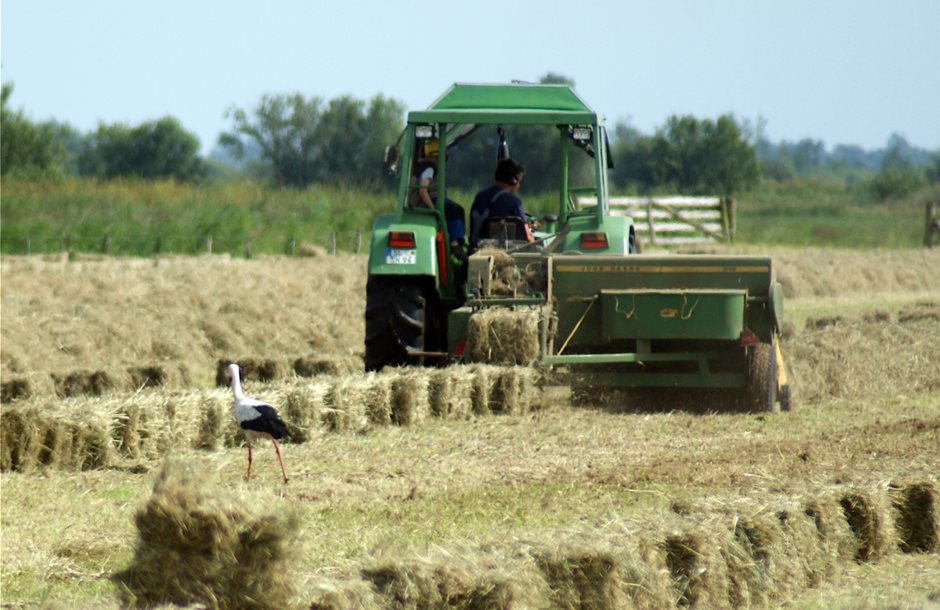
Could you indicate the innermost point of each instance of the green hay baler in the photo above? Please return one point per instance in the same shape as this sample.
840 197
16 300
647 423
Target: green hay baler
612 316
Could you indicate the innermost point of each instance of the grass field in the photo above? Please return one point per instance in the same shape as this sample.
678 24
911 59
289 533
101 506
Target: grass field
141 218
542 505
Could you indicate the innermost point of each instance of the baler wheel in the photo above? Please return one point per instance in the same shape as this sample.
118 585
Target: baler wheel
396 309
761 391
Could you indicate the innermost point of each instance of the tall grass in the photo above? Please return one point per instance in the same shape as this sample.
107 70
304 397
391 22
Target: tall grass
140 218
826 213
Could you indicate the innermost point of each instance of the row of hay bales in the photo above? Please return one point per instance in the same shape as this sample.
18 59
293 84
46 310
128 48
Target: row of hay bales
202 546
84 382
85 433
731 554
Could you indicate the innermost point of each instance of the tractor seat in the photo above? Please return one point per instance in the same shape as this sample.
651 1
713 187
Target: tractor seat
504 228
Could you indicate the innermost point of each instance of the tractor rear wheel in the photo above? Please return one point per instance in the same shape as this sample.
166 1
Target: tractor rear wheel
761 391
396 311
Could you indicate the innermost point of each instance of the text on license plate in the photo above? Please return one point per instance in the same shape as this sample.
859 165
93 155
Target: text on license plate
395 256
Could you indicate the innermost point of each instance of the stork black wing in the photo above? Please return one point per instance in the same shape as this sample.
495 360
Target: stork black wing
268 421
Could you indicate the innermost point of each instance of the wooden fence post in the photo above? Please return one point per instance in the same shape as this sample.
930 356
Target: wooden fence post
209 244
291 246
105 244
248 248
932 224
332 244
649 221
358 241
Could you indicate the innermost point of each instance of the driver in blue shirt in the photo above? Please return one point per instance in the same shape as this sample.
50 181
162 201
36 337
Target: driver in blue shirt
499 201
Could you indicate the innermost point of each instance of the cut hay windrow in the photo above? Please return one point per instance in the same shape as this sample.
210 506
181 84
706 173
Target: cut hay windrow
200 544
835 360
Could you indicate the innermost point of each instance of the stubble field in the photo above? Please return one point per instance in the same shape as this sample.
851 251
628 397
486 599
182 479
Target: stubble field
472 487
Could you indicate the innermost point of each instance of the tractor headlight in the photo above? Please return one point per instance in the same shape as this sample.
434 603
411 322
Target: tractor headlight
424 131
581 133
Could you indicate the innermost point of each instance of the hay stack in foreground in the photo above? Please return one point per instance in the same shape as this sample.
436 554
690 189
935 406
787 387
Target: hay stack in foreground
200 545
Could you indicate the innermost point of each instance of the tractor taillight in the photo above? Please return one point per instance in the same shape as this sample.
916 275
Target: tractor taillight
748 338
594 241
401 239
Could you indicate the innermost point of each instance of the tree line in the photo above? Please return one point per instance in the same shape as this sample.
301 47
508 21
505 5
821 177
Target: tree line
295 141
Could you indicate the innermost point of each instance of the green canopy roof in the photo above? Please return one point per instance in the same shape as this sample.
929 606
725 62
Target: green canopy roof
515 103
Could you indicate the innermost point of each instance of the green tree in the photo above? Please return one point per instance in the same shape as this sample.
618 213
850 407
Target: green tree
26 147
152 150
691 156
303 142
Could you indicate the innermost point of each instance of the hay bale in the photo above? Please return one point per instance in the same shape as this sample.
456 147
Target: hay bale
380 397
22 387
211 428
149 376
462 579
697 569
917 518
252 369
835 539
409 396
20 438
88 383
302 412
198 544
920 311
481 387
870 523
353 592
63 436
515 390
311 366
450 393
582 577
503 336
344 404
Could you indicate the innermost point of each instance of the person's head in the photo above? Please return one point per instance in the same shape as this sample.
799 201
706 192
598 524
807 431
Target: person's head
509 172
430 148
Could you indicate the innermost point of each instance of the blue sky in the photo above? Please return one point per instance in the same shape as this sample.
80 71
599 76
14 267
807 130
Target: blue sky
843 71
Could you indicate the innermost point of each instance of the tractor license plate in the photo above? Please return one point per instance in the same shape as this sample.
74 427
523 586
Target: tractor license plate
395 256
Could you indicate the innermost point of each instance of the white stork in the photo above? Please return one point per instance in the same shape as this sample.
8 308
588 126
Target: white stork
257 419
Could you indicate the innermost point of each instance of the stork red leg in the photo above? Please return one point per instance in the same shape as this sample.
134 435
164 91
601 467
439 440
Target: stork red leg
277 448
248 474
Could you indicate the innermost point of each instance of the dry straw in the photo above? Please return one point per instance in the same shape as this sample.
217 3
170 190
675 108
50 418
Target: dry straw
62 435
834 360
917 516
198 544
504 336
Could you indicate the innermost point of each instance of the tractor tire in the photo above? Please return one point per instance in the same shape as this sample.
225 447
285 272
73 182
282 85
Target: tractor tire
761 391
396 310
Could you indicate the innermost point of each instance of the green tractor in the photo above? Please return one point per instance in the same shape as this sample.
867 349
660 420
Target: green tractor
605 313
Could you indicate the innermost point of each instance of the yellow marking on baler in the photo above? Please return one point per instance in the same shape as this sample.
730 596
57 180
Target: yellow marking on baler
661 269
